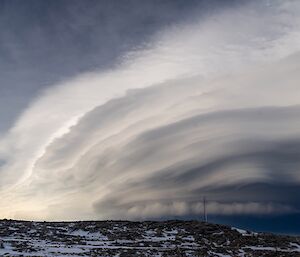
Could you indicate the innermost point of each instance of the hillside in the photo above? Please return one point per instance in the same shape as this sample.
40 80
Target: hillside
149 238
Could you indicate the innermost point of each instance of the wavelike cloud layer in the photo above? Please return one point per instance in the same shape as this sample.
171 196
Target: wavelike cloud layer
210 108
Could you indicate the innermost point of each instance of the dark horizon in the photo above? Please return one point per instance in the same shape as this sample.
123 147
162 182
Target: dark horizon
275 224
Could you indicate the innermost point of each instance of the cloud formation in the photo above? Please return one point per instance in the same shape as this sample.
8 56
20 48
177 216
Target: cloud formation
209 108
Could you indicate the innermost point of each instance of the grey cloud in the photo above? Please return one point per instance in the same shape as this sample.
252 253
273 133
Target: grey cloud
45 42
279 161
240 144
233 135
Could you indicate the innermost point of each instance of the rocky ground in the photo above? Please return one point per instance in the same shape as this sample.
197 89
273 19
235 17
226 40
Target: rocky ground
123 238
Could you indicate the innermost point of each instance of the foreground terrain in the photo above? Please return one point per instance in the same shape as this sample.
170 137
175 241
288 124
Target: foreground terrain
124 238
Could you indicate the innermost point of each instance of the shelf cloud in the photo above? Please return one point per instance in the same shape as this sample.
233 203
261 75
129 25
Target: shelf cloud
206 106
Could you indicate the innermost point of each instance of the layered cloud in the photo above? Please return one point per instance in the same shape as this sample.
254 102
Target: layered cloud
209 108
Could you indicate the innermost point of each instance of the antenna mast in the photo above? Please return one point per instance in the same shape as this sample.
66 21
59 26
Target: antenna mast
204 209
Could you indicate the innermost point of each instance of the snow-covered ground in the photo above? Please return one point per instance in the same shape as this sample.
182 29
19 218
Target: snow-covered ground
123 238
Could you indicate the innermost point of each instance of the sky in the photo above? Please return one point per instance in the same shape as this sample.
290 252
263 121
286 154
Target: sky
138 109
